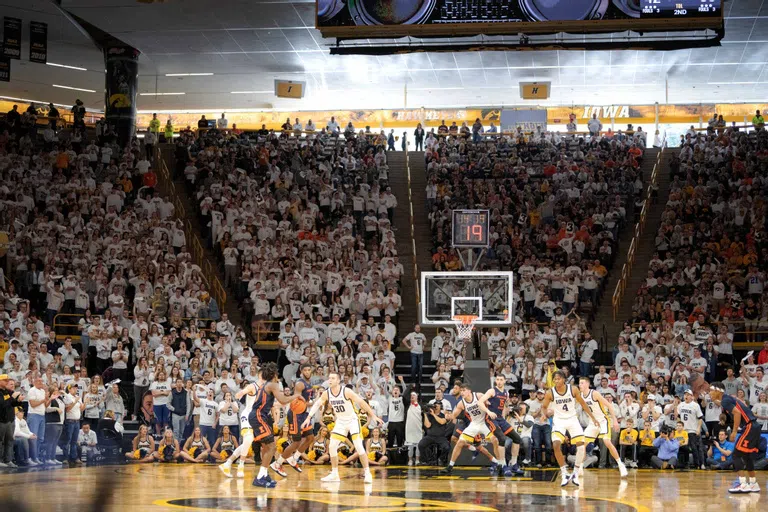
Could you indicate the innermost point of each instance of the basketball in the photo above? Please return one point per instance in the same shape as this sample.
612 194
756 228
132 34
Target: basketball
298 405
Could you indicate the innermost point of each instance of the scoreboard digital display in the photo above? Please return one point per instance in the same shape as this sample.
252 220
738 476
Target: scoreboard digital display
679 8
395 18
470 228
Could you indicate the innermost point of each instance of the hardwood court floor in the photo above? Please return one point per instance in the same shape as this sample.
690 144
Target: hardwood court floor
184 487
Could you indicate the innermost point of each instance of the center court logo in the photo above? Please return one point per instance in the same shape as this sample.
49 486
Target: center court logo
475 501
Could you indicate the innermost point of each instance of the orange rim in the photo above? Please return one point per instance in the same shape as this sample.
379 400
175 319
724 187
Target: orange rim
465 319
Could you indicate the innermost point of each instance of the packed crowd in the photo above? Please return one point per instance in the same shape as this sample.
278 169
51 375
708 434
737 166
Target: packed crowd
557 206
94 254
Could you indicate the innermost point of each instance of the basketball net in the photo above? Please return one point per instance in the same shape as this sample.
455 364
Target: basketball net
465 324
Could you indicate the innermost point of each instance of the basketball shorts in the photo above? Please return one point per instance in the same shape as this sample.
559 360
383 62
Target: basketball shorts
294 425
570 426
344 427
748 441
262 428
601 431
461 424
475 429
504 429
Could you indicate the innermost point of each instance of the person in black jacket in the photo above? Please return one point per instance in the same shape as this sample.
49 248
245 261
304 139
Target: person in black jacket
435 427
9 400
178 407
418 136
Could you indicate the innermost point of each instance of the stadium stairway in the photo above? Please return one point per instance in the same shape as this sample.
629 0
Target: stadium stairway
413 234
414 241
230 307
645 248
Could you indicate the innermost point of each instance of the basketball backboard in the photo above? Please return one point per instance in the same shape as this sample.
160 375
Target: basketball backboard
487 295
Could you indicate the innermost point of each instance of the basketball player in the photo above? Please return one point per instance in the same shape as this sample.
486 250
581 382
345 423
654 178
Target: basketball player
496 398
746 448
564 399
302 437
250 392
475 407
602 410
341 400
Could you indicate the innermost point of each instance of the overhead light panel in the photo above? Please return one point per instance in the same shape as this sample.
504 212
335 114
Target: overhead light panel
162 94
188 74
65 66
73 88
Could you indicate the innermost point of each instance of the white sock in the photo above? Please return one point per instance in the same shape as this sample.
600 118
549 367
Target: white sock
368 471
294 459
752 480
472 449
513 460
262 472
564 469
241 464
451 463
495 460
743 480
280 460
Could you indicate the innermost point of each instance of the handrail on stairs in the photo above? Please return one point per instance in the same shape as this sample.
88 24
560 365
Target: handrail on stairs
626 270
192 237
413 231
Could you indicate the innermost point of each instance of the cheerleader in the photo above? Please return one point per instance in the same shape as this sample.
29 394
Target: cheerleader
225 445
168 450
413 429
376 448
196 449
318 452
143 447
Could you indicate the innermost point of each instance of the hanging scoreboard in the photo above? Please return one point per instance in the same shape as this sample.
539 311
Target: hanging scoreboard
470 228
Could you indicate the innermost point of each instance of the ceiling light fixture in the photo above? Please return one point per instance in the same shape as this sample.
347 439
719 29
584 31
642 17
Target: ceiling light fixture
162 93
73 88
188 74
65 66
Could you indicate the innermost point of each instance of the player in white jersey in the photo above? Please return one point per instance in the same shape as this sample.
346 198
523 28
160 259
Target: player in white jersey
475 407
563 398
341 400
602 410
250 392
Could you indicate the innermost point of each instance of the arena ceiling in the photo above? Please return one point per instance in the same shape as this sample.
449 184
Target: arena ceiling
246 44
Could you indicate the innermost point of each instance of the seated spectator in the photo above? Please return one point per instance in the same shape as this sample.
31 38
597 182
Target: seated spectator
668 447
720 454
21 437
87 443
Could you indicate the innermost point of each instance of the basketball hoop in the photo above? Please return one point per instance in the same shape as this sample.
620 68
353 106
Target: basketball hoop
465 324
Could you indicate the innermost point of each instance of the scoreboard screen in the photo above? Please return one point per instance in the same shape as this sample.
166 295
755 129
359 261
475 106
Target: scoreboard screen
470 228
365 19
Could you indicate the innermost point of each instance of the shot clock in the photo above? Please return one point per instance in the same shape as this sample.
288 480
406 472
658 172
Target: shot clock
470 228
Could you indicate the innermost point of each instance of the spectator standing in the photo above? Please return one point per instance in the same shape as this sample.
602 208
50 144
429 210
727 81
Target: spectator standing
9 400
692 417
418 137
587 349
74 409
38 401
150 139
54 424
179 407
415 343
758 122
594 126
222 123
